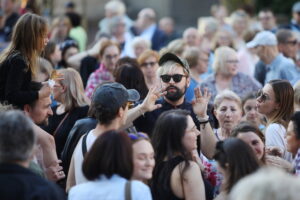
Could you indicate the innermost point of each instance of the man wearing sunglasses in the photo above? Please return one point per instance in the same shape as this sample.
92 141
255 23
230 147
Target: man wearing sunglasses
287 43
174 76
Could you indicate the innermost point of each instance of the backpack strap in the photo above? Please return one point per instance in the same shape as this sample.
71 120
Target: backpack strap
84 148
128 190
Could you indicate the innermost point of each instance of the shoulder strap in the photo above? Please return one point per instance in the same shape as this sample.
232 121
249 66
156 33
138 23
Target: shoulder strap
128 190
84 148
61 122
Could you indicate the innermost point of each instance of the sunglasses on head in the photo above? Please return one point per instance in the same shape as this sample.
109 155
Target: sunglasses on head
138 135
176 78
262 96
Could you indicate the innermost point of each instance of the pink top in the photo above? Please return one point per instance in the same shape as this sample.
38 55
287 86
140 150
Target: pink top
97 77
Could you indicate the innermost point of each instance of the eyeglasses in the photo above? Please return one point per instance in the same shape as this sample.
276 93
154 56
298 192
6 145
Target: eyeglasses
110 57
176 78
232 61
293 42
138 135
262 96
148 64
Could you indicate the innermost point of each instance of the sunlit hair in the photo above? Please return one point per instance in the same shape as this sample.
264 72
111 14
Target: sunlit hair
175 46
267 183
284 96
74 95
228 95
116 7
28 39
221 56
141 41
146 54
297 93
192 55
169 66
107 44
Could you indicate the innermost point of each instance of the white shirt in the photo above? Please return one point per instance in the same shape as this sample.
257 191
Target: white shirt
78 157
275 136
109 189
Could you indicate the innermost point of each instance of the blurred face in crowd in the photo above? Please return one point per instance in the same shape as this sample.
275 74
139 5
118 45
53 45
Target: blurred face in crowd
189 139
58 90
223 38
143 160
40 112
202 63
56 55
267 20
71 51
254 142
149 67
110 57
289 48
175 88
251 113
293 143
231 65
228 114
191 37
296 17
266 102
139 49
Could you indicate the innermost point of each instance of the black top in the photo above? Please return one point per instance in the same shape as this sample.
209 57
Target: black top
63 131
15 82
81 127
87 66
146 122
9 24
161 181
17 182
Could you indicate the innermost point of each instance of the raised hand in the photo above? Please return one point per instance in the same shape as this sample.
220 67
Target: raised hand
200 102
148 104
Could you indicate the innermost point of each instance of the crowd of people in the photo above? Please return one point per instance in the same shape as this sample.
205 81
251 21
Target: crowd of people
146 112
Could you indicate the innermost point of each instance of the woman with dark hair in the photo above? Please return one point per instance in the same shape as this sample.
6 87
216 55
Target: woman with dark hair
68 48
109 173
176 175
293 140
52 53
130 75
276 102
235 160
19 62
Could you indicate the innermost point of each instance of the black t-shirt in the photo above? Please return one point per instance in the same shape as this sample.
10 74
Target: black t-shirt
64 129
17 182
15 82
146 122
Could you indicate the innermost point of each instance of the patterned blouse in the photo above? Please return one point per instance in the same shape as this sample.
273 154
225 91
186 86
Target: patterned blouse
241 84
97 77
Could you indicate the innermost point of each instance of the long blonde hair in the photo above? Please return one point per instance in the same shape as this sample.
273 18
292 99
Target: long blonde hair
27 39
74 95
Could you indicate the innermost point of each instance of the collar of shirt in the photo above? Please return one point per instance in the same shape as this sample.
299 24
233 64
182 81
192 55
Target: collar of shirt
148 32
274 63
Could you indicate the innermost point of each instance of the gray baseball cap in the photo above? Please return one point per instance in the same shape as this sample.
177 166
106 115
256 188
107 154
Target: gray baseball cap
172 57
114 95
263 38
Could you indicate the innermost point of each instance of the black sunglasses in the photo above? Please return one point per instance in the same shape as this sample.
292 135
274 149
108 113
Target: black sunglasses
263 97
176 78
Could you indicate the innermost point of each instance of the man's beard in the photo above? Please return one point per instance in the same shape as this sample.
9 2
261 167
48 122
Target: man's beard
174 96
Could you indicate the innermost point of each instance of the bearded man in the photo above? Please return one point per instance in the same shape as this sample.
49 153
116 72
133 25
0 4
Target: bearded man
174 76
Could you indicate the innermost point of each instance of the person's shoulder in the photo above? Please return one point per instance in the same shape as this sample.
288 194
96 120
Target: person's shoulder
140 190
274 127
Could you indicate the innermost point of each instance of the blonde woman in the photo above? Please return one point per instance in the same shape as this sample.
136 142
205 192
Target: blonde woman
226 75
73 105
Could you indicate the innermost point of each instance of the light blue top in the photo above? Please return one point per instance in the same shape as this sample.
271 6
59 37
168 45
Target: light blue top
280 68
109 189
189 94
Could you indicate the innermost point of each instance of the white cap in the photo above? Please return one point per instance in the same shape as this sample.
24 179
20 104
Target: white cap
263 38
